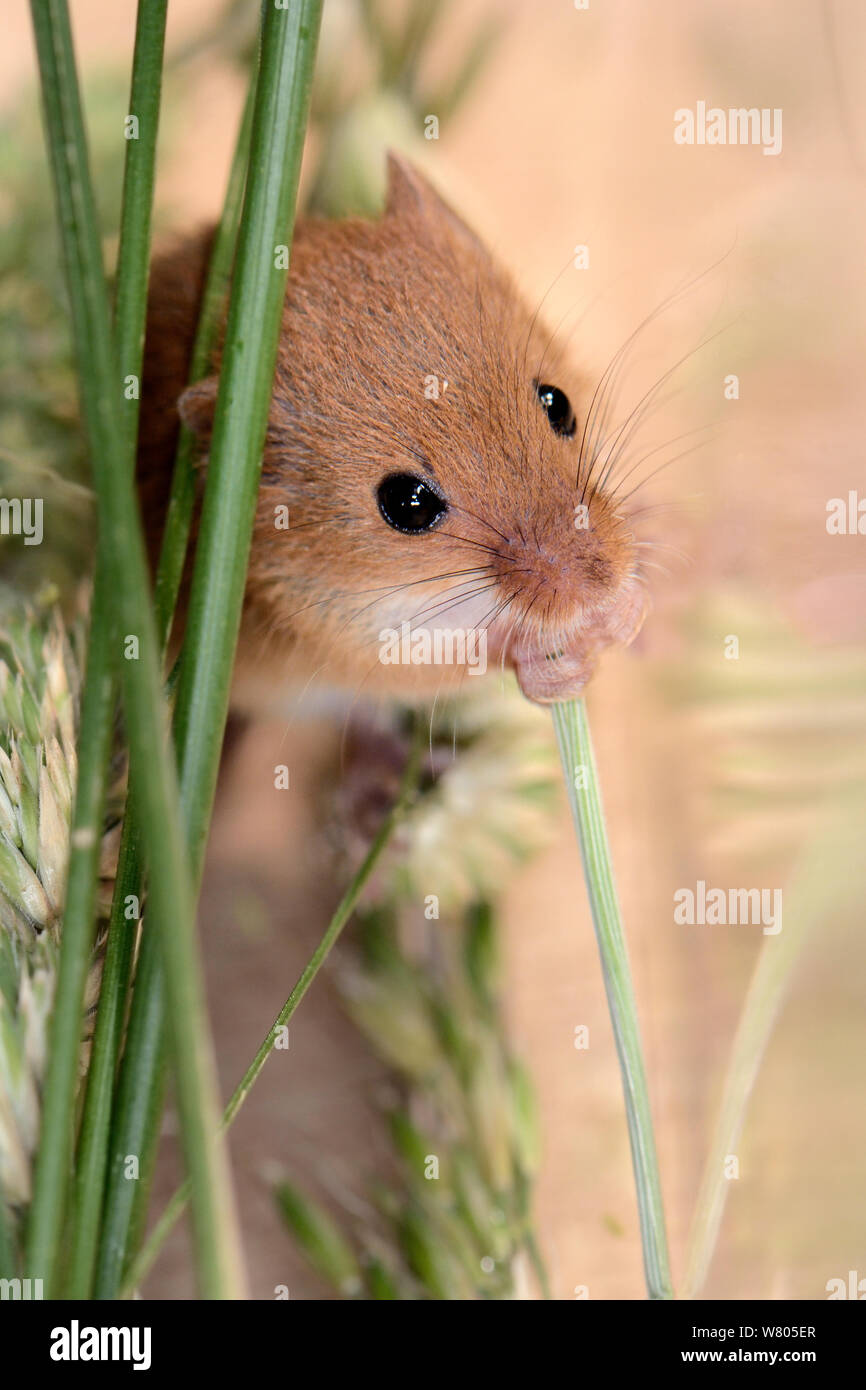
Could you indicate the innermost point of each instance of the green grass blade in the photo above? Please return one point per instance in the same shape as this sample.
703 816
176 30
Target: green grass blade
142 1079
240 421
140 1094
133 257
142 1076
578 764
152 766
92 1162
130 312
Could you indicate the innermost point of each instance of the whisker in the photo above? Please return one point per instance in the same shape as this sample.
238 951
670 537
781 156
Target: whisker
686 434
665 304
476 517
436 608
653 508
385 589
651 564
615 446
466 540
667 463
637 414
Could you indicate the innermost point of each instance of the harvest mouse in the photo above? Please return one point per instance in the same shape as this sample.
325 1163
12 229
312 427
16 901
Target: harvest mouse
425 468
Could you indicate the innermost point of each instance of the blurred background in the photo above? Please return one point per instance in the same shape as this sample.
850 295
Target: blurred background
556 131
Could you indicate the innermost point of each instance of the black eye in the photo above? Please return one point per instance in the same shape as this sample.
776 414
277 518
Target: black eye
557 408
408 504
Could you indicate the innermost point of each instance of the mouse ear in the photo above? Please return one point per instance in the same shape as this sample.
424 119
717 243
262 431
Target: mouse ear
411 197
196 407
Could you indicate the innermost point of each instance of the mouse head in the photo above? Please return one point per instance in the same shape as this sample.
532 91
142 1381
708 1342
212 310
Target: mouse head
422 473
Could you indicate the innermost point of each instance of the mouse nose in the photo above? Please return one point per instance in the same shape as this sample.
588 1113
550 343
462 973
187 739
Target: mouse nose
565 573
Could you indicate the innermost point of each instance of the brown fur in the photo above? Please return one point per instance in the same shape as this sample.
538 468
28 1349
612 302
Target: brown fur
373 309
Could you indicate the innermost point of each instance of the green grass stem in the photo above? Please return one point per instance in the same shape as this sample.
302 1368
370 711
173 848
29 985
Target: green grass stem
581 777
129 320
141 1086
282 100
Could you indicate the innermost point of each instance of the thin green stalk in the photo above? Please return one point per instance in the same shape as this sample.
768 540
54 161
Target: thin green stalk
289 41
578 763
144 1259
141 1087
133 257
93 1149
53 1159
129 320
137 1108
822 887
152 765
142 1083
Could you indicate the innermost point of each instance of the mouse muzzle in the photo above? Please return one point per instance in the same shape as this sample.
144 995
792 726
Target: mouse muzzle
555 663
